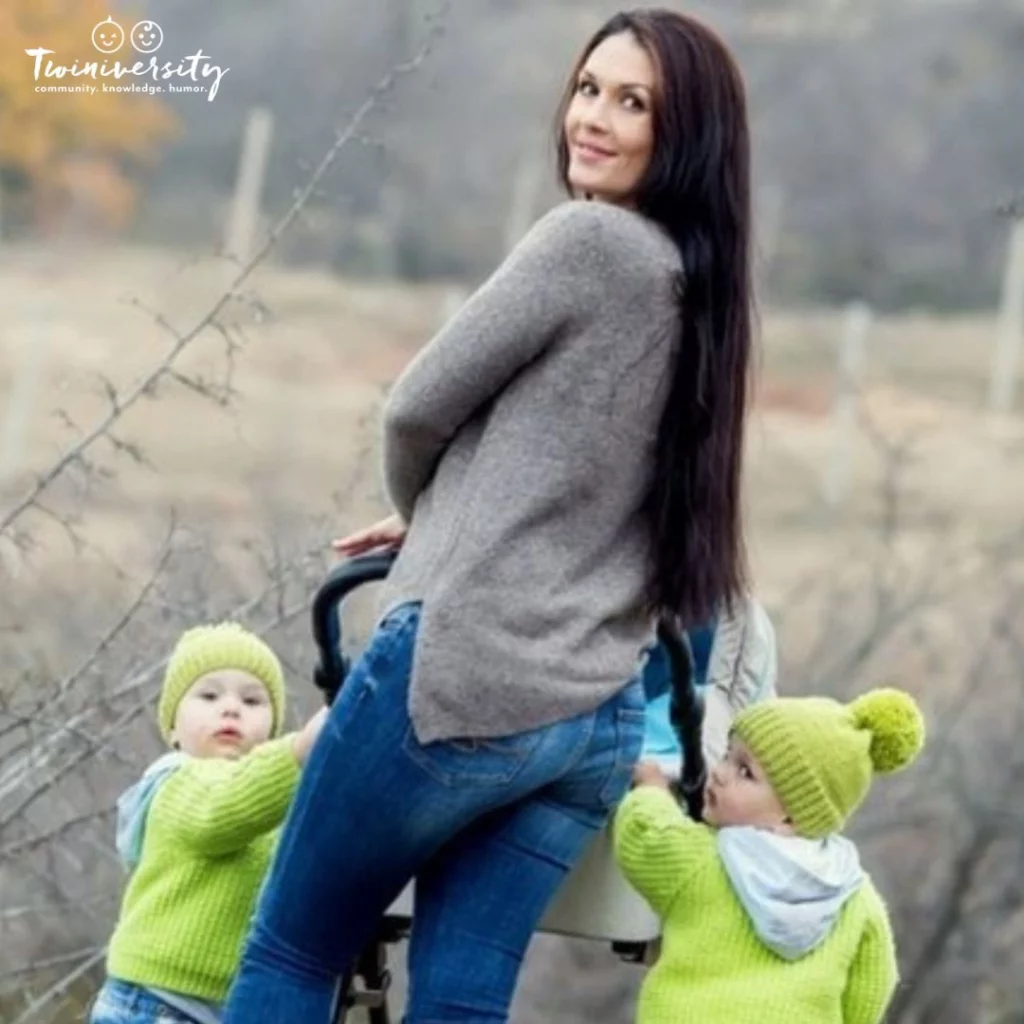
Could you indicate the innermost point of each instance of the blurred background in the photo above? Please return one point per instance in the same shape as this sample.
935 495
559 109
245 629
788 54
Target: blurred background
205 299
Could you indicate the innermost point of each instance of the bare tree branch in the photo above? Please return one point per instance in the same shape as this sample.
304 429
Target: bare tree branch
120 405
100 741
29 843
93 957
58 906
104 643
54 961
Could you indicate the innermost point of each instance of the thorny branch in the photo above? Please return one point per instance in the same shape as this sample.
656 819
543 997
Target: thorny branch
67 746
29 843
32 763
93 957
121 404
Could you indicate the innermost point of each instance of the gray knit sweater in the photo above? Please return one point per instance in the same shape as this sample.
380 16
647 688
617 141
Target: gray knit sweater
518 446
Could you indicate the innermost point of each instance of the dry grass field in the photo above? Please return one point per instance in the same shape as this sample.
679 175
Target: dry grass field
921 550
317 353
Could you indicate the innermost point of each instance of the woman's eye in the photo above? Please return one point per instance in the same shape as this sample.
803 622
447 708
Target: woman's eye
587 88
634 103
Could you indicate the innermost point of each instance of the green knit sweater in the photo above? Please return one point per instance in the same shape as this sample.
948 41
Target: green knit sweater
713 969
209 837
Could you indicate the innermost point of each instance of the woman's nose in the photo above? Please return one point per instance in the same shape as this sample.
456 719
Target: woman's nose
595 116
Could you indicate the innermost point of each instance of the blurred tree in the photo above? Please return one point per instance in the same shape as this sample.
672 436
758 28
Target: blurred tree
63 151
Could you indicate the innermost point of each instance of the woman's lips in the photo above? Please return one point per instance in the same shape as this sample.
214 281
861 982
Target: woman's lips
589 151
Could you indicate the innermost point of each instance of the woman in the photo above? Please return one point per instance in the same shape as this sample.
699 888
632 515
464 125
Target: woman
564 460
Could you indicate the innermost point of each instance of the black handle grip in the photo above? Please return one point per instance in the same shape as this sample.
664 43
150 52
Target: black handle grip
686 712
333 666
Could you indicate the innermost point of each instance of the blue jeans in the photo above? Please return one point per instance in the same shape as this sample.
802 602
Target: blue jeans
488 827
119 1002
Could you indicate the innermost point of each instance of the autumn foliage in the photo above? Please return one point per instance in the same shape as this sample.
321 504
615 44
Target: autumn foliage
71 150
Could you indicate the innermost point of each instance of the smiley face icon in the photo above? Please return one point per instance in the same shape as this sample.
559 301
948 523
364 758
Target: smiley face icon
147 36
108 36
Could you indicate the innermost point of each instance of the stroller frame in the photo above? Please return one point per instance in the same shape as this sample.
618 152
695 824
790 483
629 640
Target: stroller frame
367 984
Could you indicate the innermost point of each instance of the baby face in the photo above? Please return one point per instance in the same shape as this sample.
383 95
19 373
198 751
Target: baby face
108 36
147 36
738 793
223 714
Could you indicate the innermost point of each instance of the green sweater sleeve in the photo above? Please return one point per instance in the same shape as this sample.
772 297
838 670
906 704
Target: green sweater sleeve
657 846
553 277
215 806
874 973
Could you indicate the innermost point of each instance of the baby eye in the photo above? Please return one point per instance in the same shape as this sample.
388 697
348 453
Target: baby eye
208 695
254 702
745 772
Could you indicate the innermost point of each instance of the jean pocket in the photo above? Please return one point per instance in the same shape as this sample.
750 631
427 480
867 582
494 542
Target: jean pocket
473 761
630 723
389 649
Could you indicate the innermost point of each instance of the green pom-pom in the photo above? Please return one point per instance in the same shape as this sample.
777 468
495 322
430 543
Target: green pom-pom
896 726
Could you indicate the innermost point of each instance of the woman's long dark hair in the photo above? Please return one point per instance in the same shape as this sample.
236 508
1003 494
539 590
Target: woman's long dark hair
698 188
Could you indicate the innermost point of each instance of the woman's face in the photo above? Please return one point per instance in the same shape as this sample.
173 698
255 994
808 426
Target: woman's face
609 125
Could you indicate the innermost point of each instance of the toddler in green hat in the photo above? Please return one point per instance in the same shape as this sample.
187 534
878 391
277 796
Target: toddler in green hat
197 831
767 914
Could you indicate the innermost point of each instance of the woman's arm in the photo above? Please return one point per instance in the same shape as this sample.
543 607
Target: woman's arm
215 806
554 277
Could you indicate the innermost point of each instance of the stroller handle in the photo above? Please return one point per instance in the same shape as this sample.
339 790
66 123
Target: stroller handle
333 666
687 707
686 713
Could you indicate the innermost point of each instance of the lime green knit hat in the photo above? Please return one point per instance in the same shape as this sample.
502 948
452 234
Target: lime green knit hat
211 648
820 755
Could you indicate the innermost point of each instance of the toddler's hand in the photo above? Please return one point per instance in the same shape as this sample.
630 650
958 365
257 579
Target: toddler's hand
649 773
306 737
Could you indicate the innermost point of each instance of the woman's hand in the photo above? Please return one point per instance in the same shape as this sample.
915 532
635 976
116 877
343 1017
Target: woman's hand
649 773
388 533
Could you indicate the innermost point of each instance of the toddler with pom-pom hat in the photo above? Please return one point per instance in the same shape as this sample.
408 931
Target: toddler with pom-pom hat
767 914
